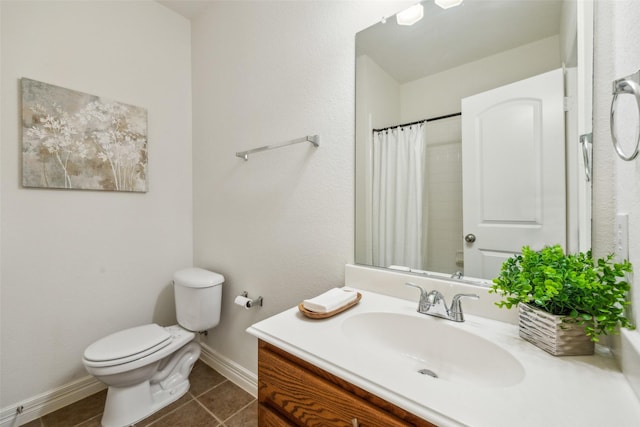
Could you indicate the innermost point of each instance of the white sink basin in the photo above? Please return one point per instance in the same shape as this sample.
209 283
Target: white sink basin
434 348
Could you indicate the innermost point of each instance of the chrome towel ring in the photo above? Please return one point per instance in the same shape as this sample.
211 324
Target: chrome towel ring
628 85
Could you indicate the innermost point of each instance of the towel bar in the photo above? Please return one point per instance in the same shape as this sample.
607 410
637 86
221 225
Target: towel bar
313 139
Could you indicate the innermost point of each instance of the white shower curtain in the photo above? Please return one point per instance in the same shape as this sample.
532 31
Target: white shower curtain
398 194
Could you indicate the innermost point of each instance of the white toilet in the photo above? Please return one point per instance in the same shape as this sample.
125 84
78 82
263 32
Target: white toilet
147 367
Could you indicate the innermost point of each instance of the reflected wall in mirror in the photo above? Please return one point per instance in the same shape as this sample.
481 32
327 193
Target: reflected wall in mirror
467 130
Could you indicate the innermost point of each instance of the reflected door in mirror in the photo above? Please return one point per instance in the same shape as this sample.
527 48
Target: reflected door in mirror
513 154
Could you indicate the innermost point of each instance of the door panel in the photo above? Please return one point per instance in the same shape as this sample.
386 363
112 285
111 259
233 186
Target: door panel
513 157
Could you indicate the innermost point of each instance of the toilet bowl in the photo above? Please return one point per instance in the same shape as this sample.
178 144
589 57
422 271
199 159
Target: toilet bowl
147 367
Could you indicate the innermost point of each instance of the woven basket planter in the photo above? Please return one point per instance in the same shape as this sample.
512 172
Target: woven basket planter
552 334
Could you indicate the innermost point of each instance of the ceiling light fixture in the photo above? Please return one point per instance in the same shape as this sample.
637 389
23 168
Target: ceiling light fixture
411 15
446 4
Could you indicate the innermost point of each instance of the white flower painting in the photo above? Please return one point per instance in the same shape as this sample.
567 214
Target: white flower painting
78 141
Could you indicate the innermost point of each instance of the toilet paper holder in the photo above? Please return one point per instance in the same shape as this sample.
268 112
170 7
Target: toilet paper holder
251 302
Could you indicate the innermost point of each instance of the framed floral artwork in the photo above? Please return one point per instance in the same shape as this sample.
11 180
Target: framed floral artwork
74 140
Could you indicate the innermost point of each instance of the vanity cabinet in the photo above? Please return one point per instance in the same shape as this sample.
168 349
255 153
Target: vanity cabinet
292 392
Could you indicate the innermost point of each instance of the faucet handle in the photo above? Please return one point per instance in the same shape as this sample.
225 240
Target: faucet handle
456 313
423 303
423 291
457 297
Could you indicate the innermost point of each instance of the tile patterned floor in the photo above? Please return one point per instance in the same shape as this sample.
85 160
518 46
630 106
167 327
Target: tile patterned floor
212 401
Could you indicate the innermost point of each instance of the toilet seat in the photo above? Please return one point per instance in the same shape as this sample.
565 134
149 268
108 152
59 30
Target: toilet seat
126 346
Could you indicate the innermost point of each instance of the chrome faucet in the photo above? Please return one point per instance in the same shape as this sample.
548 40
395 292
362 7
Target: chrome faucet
433 304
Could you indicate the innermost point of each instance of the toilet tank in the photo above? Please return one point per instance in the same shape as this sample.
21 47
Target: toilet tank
198 295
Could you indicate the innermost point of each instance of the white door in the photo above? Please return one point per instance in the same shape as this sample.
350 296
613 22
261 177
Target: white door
513 158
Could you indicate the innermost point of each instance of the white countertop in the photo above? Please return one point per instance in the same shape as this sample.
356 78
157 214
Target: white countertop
555 391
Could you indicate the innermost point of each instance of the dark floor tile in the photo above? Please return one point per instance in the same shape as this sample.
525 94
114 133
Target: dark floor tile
225 400
164 411
247 417
189 415
34 423
77 412
203 378
93 422
216 395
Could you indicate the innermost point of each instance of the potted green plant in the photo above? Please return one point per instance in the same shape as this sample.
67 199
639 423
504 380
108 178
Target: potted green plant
566 301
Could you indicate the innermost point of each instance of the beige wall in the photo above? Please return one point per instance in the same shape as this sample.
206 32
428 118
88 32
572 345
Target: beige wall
78 265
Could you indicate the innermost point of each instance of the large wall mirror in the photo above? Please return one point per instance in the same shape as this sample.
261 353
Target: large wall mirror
472 135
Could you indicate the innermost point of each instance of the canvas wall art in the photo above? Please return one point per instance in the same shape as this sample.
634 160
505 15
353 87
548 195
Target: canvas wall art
79 141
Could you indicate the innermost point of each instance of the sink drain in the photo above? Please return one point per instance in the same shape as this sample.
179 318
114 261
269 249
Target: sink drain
428 372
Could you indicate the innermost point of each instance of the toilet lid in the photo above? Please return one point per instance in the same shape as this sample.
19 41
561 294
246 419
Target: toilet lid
129 344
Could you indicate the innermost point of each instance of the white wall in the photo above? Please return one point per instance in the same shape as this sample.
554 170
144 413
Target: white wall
78 265
616 188
377 94
377 106
617 55
446 89
281 224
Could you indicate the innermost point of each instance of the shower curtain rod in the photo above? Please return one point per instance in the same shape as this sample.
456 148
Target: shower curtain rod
433 119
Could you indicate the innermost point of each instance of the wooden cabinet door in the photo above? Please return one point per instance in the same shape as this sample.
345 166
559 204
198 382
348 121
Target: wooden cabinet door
307 400
270 418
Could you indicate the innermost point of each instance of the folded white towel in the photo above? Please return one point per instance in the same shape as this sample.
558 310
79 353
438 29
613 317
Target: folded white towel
331 300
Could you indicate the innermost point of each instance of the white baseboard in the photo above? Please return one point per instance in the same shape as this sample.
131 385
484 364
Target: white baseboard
240 376
45 403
